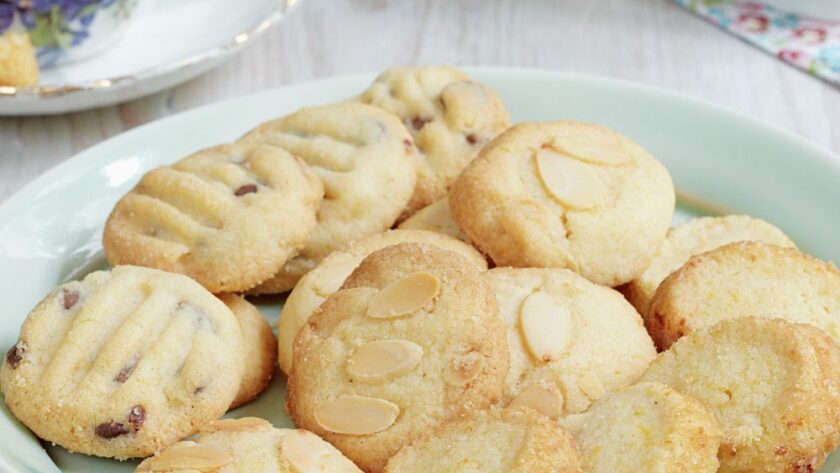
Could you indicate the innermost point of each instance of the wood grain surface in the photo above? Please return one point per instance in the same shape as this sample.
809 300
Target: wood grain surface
648 41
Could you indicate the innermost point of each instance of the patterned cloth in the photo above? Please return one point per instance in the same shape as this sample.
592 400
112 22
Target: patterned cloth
810 44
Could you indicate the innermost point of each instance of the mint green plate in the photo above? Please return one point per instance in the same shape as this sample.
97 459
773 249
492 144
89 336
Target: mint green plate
721 161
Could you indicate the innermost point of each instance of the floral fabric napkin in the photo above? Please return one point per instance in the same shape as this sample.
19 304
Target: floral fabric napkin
808 43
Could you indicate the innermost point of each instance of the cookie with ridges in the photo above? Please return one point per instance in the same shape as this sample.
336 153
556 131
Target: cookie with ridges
318 284
571 341
743 279
123 363
647 427
434 218
773 386
259 348
411 340
249 444
365 157
228 216
18 63
497 440
697 236
565 195
450 117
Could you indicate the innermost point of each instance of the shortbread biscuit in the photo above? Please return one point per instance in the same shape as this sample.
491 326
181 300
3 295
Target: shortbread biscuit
571 341
18 64
450 116
497 440
365 158
259 348
772 385
412 339
123 363
249 445
228 216
692 238
435 218
566 195
647 427
331 272
742 279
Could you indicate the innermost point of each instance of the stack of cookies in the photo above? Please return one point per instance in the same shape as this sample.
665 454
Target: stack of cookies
466 296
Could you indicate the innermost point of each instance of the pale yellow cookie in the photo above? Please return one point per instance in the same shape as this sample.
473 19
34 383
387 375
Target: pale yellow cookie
571 341
18 64
773 386
259 348
566 195
331 272
741 279
492 441
123 363
228 216
434 218
450 117
365 158
646 428
692 238
249 445
411 340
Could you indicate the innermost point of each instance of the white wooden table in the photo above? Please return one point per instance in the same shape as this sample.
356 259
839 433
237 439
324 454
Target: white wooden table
649 41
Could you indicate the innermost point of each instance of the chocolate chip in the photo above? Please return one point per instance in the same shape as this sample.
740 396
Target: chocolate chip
70 299
418 123
15 354
136 416
472 139
198 390
246 189
123 375
109 430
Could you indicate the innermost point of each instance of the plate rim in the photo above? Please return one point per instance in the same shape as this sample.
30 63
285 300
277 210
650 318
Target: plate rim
236 43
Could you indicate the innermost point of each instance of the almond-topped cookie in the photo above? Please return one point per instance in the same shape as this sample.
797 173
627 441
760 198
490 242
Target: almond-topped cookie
434 218
365 157
123 363
228 216
566 195
411 340
249 445
516 440
320 283
450 117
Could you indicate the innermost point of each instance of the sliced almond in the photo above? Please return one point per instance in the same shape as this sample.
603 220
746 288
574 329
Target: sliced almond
244 424
571 182
356 415
463 369
405 296
545 326
591 386
307 453
332 277
383 359
544 400
596 147
189 456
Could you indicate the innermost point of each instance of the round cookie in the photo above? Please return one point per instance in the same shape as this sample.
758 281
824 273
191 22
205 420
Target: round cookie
259 348
411 340
123 363
449 116
249 444
318 284
773 386
434 218
697 236
228 216
647 427
497 440
743 279
570 340
566 195
365 157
